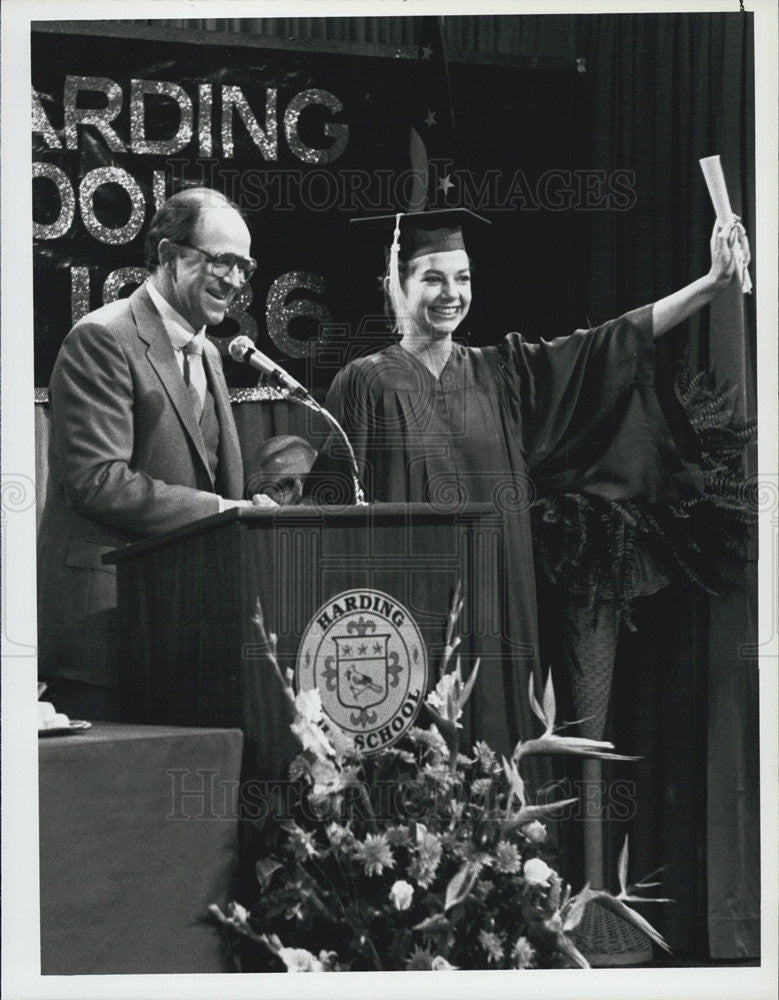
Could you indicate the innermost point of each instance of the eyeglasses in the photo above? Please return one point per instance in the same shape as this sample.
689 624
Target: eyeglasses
221 264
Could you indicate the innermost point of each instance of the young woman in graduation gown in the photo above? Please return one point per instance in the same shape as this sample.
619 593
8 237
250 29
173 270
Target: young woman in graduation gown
431 420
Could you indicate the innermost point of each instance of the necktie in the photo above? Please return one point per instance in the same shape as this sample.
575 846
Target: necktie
194 373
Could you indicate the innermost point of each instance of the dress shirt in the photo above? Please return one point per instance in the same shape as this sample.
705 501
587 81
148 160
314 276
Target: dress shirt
180 333
177 328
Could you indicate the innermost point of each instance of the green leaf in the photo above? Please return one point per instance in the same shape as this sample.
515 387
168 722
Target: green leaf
265 869
466 692
575 913
537 710
460 885
550 707
447 729
528 813
435 924
622 867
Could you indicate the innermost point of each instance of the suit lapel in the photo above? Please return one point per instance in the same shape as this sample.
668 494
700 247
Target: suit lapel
162 358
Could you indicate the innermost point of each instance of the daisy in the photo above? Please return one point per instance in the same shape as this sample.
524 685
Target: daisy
507 858
485 756
420 960
492 945
398 836
523 953
375 854
428 857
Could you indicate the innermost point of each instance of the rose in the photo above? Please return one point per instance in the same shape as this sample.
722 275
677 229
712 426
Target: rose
537 872
535 832
401 894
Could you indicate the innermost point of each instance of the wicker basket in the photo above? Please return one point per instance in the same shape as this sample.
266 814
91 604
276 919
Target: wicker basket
606 939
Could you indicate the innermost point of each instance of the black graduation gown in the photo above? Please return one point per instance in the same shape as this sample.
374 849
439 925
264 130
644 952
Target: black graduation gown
502 425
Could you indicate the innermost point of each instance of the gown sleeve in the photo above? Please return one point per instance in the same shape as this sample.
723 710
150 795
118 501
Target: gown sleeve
589 418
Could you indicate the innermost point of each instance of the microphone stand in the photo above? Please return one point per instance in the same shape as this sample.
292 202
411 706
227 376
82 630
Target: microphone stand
304 398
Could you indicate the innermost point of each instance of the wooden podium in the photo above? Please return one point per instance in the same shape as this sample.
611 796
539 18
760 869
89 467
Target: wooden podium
190 653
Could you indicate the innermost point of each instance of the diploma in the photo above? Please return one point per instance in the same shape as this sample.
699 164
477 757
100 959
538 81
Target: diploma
718 192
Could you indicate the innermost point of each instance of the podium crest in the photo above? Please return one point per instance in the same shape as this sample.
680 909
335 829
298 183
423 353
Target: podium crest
362 673
365 654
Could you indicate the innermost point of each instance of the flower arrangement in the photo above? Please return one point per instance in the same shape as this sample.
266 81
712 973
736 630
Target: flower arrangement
419 857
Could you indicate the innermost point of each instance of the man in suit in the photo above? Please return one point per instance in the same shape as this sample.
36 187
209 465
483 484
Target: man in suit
142 437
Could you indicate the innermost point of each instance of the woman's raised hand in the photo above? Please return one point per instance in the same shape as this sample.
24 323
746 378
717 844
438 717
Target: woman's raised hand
728 243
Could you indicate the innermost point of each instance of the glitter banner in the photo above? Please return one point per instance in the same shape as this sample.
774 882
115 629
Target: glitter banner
302 141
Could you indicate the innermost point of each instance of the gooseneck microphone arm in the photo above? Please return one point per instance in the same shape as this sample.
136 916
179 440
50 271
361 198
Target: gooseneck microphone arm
311 403
242 349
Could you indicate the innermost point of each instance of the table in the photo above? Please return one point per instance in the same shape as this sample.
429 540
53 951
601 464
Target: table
138 834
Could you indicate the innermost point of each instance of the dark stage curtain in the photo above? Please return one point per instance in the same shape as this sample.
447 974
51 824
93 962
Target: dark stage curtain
686 684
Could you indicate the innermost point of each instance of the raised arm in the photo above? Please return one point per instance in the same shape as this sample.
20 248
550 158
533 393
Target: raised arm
675 308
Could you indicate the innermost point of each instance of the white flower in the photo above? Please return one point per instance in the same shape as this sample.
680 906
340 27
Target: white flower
328 780
401 894
309 704
523 953
300 960
237 916
307 724
338 835
451 694
535 832
329 960
537 872
444 695
312 737
302 842
441 965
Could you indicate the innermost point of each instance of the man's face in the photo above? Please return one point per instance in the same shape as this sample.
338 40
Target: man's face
199 296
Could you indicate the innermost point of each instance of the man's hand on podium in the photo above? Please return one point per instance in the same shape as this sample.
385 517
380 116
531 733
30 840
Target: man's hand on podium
262 500
258 500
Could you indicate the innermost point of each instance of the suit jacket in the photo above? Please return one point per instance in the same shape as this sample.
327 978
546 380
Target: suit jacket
126 460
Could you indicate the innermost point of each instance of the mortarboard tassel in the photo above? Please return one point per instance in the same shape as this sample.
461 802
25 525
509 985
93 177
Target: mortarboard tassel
395 291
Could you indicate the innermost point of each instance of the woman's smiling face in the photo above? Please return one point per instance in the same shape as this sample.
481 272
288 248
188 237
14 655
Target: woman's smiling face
437 291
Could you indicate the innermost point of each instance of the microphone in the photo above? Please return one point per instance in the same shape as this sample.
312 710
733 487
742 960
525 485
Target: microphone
243 350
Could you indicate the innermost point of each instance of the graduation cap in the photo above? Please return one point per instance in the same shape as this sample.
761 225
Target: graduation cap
415 234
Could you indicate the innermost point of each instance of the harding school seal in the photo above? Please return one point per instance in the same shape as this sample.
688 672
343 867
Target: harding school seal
365 654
